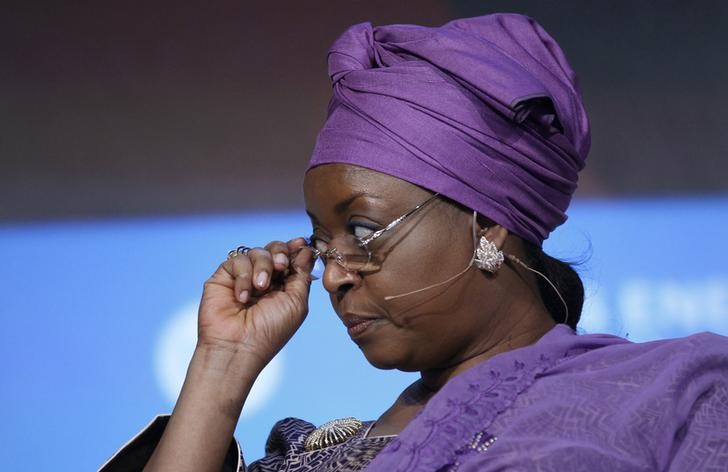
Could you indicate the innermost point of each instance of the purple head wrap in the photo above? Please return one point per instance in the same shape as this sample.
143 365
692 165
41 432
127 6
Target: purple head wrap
484 110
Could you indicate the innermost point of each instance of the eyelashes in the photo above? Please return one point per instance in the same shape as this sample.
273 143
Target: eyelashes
358 229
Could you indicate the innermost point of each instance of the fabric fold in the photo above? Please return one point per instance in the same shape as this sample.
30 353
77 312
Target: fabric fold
484 110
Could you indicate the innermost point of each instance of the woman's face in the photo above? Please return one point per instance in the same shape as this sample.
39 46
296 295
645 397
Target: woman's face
435 328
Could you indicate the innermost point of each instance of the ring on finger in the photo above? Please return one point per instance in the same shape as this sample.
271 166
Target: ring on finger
238 250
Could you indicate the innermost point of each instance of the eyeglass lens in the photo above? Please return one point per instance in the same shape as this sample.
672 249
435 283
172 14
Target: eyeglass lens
355 255
349 254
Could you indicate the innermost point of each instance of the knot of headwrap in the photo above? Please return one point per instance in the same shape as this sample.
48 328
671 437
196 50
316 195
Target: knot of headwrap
484 110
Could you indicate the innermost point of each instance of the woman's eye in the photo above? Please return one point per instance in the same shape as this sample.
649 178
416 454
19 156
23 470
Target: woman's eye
319 245
361 232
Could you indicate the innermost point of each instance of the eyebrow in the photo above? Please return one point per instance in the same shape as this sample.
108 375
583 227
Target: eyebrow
344 205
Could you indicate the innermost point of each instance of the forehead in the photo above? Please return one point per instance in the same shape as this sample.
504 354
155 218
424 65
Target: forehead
332 183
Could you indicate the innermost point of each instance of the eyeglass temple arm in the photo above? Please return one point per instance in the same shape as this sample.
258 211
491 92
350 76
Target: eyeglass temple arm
379 232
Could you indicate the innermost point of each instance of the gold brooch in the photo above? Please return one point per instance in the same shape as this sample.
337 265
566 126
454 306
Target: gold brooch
332 433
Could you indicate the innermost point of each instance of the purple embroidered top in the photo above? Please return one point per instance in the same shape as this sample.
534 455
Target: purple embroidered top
568 402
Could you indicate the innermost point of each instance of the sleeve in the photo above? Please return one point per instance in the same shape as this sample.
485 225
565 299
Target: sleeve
134 455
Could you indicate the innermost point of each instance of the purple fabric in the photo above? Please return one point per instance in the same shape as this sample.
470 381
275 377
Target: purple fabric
484 110
590 402
567 403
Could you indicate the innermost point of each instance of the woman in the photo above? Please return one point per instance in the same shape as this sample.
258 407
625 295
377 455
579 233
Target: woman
448 156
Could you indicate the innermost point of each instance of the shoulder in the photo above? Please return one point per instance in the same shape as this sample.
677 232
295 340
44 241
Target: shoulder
704 344
698 354
667 375
706 350
693 355
640 401
658 376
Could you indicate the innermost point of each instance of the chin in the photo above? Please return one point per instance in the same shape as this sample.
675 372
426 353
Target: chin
387 361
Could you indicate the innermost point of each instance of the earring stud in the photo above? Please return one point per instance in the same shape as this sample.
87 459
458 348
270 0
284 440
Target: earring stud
487 256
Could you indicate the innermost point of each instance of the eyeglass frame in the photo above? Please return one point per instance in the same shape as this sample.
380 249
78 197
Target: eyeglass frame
336 255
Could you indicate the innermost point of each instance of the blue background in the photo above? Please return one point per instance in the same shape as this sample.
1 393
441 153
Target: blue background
83 306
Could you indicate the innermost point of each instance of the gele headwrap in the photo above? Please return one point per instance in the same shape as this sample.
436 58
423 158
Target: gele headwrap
484 110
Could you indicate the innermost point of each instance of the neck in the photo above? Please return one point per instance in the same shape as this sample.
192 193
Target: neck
524 332
519 321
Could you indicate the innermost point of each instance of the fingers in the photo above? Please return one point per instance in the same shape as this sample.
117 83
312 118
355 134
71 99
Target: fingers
279 254
241 271
262 269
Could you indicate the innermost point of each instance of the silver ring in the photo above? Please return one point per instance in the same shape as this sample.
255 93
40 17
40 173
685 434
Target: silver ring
238 250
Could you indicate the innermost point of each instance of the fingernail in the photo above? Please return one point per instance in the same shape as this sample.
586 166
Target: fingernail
244 296
280 259
262 279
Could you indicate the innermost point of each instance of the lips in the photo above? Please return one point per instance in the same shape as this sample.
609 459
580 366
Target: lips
357 324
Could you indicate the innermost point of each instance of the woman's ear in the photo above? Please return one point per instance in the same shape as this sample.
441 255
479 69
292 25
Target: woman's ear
488 252
496 234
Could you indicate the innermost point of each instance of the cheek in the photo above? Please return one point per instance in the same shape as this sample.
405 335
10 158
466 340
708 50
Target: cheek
429 254
434 313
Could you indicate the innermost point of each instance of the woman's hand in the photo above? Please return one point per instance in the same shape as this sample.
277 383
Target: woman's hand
250 308
254 302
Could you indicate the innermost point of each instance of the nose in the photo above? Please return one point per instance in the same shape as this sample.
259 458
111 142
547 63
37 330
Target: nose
337 280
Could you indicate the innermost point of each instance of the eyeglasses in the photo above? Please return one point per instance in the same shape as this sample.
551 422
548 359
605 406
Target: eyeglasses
358 256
